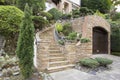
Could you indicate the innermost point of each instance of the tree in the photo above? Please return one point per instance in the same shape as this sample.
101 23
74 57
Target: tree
21 3
25 44
37 5
55 13
115 36
102 5
115 2
113 12
7 2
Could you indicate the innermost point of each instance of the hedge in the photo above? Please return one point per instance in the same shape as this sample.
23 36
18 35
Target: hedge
115 36
10 19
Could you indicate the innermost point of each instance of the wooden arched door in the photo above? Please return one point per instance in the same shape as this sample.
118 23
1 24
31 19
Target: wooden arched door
100 40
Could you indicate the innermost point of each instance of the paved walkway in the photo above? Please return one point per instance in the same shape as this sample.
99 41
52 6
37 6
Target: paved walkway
73 74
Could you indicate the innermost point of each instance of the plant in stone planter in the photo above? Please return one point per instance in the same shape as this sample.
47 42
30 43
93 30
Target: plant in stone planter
72 36
67 29
59 27
85 40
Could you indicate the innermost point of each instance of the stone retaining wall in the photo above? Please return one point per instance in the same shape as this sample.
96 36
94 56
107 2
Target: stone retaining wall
72 52
85 26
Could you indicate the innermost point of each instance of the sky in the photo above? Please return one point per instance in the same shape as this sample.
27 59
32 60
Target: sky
118 8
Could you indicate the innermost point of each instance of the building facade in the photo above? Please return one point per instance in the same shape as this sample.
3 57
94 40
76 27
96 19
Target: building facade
65 6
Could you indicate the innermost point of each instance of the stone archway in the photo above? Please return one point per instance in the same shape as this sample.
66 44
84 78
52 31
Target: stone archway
100 40
96 25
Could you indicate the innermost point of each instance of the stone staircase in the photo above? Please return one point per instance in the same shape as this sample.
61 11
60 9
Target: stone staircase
49 54
57 60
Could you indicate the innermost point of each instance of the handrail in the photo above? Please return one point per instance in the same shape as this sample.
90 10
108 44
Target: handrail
57 36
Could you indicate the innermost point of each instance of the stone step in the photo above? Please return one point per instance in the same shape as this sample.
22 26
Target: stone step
55 51
56 55
58 63
59 68
54 48
52 59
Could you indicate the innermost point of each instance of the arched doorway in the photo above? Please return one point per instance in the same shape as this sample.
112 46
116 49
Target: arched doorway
100 40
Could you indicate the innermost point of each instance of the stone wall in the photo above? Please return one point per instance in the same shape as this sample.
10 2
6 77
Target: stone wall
72 51
95 21
75 53
77 24
85 26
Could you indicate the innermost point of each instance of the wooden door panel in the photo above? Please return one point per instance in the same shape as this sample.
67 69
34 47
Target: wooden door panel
100 41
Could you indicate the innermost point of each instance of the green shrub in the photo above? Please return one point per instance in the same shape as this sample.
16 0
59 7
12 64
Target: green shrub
85 11
55 13
72 36
75 13
85 40
59 27
92 63
103 61
98 13
10 19
61 42
46 14
76 16
39 22
66 16
67 29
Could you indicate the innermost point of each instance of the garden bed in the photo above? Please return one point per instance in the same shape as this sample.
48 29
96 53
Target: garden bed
94 66
93 71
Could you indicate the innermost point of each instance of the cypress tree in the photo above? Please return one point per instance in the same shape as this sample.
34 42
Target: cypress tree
25 44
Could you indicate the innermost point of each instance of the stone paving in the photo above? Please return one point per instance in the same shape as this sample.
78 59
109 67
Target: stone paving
73 74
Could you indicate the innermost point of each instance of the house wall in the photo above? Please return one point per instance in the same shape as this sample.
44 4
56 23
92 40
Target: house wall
50 5
61 5
76 2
